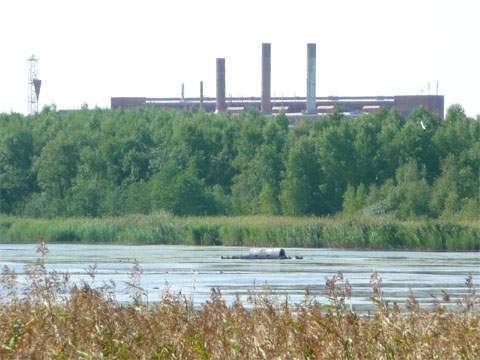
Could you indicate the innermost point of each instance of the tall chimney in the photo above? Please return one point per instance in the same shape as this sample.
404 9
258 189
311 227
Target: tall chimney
311 79
201 94
266 105
221 105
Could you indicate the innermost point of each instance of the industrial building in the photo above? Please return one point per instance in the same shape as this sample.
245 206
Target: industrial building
294 107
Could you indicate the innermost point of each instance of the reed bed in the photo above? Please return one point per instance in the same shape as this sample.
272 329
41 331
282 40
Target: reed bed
162 228
52 318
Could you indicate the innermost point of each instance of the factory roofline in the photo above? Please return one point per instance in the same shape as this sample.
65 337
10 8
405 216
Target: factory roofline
295 104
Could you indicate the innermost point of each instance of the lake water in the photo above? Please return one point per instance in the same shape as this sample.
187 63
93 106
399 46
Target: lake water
193 271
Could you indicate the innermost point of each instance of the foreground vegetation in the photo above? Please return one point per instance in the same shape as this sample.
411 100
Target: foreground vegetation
55 319
97 163
162 228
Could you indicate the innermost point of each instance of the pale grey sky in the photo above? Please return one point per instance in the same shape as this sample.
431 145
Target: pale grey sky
91 50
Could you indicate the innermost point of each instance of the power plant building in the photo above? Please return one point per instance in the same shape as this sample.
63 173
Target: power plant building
310 105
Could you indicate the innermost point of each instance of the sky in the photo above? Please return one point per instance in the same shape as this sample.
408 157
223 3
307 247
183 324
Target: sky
91 50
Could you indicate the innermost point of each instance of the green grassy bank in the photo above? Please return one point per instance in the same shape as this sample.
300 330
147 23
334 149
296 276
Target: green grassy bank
246 231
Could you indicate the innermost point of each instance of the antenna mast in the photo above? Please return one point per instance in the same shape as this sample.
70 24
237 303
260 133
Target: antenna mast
34 85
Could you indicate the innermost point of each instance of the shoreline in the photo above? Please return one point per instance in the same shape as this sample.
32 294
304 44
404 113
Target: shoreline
248 231
399 250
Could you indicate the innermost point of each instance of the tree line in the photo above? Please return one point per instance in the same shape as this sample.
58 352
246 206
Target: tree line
102 162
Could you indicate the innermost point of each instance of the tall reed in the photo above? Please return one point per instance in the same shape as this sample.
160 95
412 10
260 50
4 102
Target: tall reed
162 228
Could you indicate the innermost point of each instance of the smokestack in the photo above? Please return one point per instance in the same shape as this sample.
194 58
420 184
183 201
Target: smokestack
266 105
311 79
183 92
221 105
201 94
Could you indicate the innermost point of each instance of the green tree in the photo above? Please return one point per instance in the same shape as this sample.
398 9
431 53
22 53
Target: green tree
349 201
86 197
354 199
268 201
301 193
412 192
185 194
336 161
414 142
57 165
17 180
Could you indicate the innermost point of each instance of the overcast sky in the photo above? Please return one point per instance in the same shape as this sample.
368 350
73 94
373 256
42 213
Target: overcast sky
90 50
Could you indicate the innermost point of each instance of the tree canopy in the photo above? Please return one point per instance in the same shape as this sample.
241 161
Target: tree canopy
104 162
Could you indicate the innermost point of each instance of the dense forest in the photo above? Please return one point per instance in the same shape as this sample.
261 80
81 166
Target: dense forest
100 162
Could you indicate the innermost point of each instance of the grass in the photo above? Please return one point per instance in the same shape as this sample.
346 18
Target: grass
52 318
162 228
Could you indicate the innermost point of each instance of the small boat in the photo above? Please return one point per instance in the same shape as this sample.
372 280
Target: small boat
264 254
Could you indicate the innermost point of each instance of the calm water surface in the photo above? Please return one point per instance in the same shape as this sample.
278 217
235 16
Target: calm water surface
193 271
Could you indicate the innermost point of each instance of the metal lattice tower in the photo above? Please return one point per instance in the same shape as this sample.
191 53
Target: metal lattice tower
34 84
